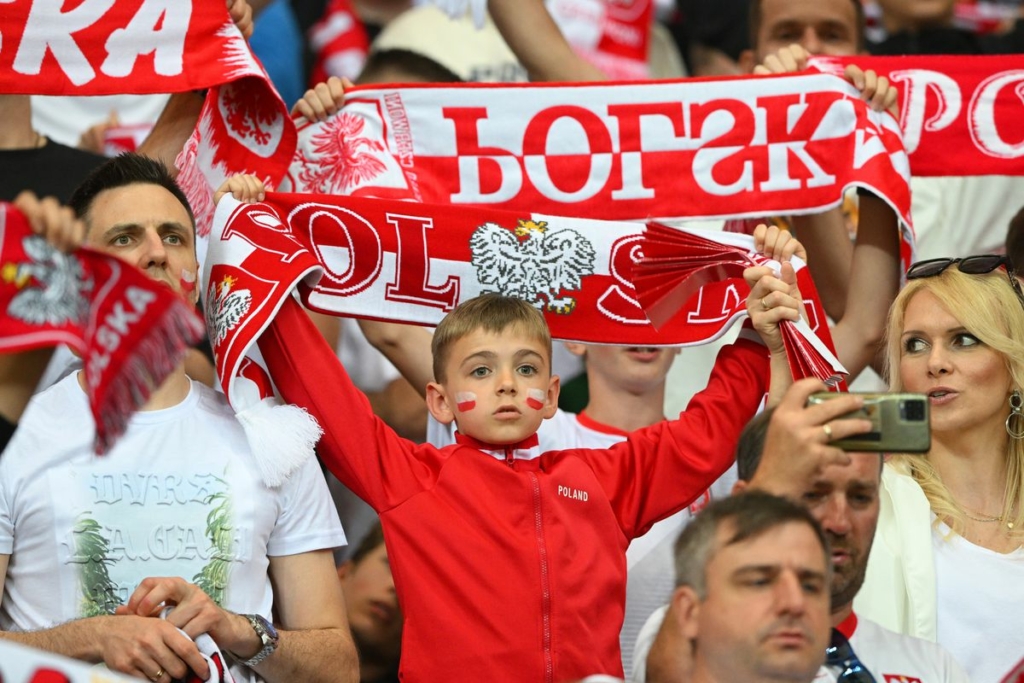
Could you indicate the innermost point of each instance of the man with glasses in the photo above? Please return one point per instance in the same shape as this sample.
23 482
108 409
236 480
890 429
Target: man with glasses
844 499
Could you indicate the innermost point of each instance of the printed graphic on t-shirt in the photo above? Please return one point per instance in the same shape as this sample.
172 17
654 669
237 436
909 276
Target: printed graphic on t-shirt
119 528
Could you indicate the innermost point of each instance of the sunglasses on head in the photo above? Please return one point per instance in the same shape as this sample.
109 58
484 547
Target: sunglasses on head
841 656
972 265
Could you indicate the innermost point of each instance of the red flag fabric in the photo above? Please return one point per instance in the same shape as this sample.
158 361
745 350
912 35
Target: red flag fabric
130 331
115 47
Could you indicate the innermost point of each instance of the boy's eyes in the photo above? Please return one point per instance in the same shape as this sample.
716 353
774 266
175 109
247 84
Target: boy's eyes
527 370
480 371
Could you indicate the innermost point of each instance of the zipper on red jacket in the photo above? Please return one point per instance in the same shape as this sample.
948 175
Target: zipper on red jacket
549 668
510 457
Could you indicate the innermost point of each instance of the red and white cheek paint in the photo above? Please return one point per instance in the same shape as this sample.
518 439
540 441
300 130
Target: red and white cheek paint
187 281
535 398
465 400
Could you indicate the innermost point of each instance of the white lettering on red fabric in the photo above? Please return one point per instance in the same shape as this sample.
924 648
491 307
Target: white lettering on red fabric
158 27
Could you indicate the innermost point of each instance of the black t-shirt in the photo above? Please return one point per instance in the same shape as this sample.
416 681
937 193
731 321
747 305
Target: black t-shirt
53 170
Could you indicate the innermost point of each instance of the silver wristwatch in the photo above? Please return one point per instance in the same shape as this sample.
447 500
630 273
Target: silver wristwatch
268 636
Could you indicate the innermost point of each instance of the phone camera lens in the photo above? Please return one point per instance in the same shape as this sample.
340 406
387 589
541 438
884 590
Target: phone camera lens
913 410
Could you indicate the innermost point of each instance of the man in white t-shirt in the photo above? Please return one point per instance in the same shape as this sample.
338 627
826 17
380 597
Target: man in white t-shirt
92 547
845 501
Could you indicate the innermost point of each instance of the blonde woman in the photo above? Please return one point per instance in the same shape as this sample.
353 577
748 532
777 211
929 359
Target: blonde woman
947 563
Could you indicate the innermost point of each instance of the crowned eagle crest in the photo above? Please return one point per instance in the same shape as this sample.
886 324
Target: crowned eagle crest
532 262
225 308
51 285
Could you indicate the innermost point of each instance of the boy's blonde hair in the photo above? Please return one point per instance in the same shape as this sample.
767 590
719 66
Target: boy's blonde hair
491 313
987 306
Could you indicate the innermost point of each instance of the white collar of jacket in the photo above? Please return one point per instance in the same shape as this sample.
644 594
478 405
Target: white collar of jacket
527 449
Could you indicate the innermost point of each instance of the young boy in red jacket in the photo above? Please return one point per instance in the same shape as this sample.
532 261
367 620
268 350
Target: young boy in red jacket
508 562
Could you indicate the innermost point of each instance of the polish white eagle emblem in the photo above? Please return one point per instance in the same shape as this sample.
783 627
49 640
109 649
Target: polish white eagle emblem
225 308
532 262
51 286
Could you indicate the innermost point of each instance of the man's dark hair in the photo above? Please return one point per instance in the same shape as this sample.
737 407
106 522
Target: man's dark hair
371 541
125 169
749 515
416 67
754 22
751 444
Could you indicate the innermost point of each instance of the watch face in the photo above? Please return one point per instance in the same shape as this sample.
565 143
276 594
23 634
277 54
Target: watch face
269 627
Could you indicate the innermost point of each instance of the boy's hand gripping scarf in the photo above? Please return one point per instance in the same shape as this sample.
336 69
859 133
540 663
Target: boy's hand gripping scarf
403 262
130 331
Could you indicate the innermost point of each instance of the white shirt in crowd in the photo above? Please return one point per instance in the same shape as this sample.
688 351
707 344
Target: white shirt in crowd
83 530
980 603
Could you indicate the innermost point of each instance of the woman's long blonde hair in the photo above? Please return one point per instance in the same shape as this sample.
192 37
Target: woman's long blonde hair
987 306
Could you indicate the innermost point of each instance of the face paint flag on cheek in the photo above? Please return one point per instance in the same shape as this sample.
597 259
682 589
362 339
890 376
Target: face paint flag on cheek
465 400
535 398
188 281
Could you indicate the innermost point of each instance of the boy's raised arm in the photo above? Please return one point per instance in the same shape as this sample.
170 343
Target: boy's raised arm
306 371
660 469
357 447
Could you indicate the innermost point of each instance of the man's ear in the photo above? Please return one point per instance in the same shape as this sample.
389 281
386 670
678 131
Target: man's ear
686 606
739 487
746 61
551 398
343 570
438 404
576 348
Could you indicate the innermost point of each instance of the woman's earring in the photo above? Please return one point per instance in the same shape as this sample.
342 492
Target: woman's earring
1015 420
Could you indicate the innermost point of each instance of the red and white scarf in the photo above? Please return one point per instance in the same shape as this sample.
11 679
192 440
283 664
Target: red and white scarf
339 42
613 35
667 149
130 331
960 115
404 262
155 46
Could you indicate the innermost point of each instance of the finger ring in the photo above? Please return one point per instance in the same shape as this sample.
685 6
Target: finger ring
827 428
764 304
157 676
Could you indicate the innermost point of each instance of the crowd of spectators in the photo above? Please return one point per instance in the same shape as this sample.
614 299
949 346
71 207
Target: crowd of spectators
756 588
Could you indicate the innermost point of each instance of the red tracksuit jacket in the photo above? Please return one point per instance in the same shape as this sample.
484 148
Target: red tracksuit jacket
512 570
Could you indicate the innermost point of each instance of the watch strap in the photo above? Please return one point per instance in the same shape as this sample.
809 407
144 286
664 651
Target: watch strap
267 636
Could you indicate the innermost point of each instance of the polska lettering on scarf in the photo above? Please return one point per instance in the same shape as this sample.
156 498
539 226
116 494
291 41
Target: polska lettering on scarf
960 115
116 326
112 47
624 151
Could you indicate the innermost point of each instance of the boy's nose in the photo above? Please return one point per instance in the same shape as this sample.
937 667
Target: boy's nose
506 383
